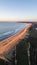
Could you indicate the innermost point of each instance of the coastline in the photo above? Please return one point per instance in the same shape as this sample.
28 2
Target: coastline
7 44
10 34
6 31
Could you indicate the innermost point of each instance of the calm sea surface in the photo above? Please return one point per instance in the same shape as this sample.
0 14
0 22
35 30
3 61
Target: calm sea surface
9 28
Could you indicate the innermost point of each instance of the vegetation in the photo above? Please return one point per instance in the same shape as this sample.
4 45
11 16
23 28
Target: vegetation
21 52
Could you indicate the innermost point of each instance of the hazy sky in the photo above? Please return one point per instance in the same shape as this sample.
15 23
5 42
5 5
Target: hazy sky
12 10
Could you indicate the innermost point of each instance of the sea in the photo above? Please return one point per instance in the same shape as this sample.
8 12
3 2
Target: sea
10 28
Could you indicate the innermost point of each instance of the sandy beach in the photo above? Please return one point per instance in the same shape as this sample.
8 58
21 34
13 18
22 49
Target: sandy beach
8 43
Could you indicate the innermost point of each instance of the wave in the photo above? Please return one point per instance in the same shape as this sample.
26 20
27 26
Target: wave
7 34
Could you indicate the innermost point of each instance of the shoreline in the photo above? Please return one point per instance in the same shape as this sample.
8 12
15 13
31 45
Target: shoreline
7 44
3 37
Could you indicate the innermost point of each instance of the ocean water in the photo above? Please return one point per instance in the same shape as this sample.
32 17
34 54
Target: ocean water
10 28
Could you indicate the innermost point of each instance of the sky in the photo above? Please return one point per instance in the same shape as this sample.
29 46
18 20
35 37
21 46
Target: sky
18 10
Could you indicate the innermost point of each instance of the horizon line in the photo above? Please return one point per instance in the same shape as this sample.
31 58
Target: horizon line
20 21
